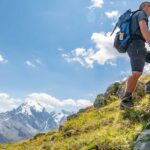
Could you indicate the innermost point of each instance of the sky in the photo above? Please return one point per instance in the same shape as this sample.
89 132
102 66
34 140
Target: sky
59 52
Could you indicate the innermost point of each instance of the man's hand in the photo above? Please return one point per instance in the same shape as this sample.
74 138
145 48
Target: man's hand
144 30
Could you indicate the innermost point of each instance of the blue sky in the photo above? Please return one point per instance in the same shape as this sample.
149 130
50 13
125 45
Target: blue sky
53 47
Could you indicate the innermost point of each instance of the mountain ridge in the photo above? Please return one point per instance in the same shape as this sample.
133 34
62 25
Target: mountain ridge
102 126
27 120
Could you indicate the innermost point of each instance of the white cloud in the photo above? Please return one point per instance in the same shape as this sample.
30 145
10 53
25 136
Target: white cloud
51 103
60 49
38 61
7 102
146 69
147 65
33 63
83 103
96 4
147 46
80 51
30 64
103 53
43 97
2 59
112 63
112 14
83 56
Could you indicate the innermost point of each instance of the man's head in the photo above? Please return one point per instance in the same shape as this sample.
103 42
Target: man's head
146 7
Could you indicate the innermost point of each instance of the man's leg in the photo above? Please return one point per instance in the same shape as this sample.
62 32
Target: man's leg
138 54
132 81
130 87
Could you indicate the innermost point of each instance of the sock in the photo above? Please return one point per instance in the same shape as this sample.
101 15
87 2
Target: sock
127 94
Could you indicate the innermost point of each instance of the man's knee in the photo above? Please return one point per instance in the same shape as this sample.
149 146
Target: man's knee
136 74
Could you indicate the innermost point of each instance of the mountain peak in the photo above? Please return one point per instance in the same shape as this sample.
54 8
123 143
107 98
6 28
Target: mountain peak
36 105
29 105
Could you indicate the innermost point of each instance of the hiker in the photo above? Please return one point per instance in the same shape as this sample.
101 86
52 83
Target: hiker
137 52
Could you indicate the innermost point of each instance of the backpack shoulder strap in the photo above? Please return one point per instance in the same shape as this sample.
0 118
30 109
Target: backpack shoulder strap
117 22
114 29
132 35
133 12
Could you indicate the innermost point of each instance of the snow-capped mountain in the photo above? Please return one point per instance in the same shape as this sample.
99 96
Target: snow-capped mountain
29 119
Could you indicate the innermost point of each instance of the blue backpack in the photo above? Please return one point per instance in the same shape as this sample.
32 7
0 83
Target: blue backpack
124 37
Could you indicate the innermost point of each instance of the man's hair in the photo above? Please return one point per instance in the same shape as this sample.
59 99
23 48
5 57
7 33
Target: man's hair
143 4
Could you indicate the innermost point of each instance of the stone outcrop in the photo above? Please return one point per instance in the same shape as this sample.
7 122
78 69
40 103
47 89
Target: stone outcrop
117 89
143 141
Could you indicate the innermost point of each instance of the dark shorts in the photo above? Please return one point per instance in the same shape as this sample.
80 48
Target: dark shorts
138 55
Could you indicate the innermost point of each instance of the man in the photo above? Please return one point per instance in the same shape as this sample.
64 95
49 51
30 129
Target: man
136 51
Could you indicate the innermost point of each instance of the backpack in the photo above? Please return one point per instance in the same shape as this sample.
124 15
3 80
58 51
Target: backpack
124 37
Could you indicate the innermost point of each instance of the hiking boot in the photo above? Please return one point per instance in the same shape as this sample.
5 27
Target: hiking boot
126 102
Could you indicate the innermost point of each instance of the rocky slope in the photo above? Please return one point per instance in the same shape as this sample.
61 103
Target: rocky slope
102 126
27 120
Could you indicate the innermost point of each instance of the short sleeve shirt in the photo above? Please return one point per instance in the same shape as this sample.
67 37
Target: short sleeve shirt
136 18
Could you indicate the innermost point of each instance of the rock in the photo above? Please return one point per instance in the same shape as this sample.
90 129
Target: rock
137 94
38 135
72 116
147 126
143 141
117 90
103 99
111 92
99 101
121 89
84 109
147 88
53 137
139 91
87 109
61 127
69 133
112 89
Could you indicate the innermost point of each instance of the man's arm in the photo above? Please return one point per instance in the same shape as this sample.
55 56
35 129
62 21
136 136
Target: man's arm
144 30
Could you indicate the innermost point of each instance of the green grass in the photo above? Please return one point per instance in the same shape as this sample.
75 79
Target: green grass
108 129
145 78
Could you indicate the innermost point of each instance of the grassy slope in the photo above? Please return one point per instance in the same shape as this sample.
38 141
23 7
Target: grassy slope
108 129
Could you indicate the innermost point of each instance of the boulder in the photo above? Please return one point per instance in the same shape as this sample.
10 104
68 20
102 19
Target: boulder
143 141
112 89
137 94
99 101
103 99
69 133
61 127
111 92
147 88
117 90
53 137
147 126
